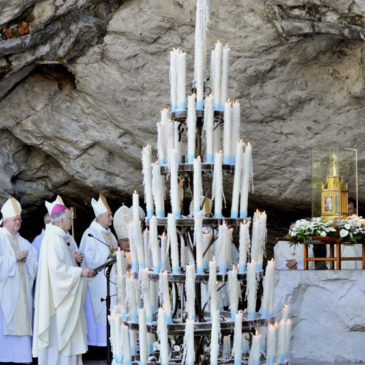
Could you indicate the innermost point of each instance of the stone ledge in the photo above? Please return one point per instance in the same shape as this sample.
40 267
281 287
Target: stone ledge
327 312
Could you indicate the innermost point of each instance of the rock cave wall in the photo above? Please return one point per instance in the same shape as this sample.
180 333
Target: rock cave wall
82 84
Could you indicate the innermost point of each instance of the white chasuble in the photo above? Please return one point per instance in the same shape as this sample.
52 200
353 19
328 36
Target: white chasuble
59 302
96 251
16 283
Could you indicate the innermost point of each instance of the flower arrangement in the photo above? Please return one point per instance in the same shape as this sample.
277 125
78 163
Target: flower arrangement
352 229
302 229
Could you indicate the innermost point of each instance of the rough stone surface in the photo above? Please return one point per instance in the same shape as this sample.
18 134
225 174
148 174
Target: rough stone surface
296 92
327 313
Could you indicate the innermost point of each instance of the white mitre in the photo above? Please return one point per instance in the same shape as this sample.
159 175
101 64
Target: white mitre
100 206
122 219
50 206
11 208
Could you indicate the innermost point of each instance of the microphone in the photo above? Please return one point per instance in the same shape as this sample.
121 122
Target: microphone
96 238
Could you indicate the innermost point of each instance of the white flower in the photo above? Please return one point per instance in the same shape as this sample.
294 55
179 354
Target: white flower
323 234
347 226
343 233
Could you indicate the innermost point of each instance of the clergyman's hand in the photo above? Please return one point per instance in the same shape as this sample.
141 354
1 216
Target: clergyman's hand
22 255
78 257
292 264
88 273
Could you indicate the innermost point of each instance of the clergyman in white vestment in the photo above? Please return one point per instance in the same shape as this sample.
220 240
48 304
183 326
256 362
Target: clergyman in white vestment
18 268
59 326
97 245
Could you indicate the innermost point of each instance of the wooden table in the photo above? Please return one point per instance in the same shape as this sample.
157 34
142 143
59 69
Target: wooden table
334 256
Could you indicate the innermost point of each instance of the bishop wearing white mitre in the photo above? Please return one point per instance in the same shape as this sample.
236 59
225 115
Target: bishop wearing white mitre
18 268
97 245
59 325
70 240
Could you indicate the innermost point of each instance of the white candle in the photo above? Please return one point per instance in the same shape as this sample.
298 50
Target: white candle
122 295
262 239
255 243
212 287
163 337
131 297
226 347
150 341
212 59
142 337
153 243
237 179
147 179
271 345
119 255
251 290
218 185
221 249
214 338
288 327
172 239
174 184
225 74
170 140
255 353
177 143
138 242
227 132
135 206
209 127
154 295
281 355
191 124
268 286
217 75
244 245
236 125
117 339
198 226
201 24
246 178
206 249
161 149
146 247
181 81
197 184
237 342
183 250
133 248
229 234
189 352
190 290
145 286
234 291
158 190
164 252
126 345
164 295
285 312
133 342
173 79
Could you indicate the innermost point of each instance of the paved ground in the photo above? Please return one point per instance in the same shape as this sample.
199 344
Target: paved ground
293 362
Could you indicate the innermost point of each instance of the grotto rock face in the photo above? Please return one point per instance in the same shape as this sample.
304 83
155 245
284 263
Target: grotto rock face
82 84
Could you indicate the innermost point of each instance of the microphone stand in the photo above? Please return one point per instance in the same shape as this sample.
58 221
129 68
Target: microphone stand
108 265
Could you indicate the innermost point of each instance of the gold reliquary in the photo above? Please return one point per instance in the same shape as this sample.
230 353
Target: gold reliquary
334 194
